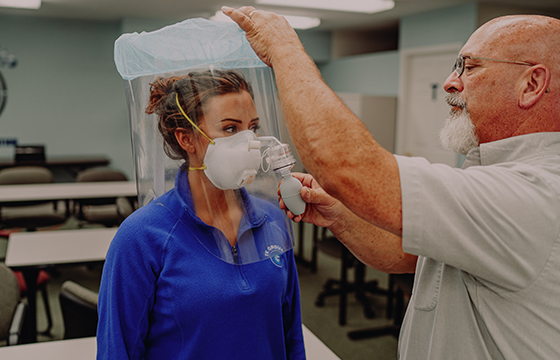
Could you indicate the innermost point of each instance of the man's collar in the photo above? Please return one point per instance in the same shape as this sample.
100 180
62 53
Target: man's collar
514 149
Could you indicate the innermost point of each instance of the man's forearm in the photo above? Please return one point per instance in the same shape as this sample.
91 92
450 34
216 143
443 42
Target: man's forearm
373 246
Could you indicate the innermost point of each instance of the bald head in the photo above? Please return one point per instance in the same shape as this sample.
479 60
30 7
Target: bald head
530 38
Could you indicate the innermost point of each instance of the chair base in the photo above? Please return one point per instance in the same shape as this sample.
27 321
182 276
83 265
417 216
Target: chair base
333 287
399 285
342 287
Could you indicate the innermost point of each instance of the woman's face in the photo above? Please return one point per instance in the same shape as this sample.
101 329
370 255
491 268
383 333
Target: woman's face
224 115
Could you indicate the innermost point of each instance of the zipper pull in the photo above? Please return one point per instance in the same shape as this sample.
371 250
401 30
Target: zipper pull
235 255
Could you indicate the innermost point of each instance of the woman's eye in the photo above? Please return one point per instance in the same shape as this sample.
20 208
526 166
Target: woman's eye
256 128
230 130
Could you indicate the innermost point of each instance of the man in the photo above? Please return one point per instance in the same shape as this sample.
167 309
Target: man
482 240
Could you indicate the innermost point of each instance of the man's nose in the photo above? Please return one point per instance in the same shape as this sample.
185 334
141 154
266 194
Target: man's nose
453 83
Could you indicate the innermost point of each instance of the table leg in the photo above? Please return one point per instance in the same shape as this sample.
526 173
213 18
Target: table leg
30 321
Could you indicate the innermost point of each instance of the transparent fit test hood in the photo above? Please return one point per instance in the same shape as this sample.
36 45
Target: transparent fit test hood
142 58
194 45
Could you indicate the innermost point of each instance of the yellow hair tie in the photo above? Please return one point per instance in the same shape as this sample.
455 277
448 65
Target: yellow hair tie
192 123
203 167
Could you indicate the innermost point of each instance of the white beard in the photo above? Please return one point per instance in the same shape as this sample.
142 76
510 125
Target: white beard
458 133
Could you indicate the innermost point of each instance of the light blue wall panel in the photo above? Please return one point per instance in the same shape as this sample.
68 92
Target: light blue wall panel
372 74
317 44
449 25
65 92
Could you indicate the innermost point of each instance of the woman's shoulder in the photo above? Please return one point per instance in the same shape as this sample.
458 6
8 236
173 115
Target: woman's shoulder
151 223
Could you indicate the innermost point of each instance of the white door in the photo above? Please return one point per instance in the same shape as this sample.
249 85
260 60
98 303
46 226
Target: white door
422 106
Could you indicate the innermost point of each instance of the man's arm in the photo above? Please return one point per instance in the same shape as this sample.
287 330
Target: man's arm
332 142
373 246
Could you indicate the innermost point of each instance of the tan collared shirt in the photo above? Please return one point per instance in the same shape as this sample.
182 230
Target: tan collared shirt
487 283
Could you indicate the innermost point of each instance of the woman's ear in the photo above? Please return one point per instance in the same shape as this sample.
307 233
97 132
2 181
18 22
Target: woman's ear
185 139
534 84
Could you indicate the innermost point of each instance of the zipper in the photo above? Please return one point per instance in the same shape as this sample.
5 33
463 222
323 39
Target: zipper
243 283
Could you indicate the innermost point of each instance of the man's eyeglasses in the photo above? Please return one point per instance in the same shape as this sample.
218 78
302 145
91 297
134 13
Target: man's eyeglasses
460 63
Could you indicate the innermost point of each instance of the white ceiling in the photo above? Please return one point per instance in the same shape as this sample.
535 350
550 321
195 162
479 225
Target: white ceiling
113 10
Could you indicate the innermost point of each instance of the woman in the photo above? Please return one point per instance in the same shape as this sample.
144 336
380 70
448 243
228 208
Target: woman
168 290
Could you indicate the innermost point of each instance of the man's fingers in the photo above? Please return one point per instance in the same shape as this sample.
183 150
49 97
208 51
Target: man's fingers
309 196
240 16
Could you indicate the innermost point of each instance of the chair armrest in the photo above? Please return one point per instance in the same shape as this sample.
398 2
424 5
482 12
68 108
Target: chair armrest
17 324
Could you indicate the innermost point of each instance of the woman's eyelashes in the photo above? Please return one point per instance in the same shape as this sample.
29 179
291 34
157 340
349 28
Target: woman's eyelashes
234 129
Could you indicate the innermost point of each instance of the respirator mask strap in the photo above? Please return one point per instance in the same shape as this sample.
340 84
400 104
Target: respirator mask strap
203 167
189 119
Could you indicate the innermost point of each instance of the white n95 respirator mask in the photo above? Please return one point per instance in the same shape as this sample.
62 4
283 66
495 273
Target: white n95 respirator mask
230 163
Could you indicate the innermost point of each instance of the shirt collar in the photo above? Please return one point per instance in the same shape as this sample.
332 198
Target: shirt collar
517 148
253 216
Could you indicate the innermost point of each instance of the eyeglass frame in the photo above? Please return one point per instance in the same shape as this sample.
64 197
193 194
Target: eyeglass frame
461 60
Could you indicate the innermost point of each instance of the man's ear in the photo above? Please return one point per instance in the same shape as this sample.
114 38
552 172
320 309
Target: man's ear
534 84
185 139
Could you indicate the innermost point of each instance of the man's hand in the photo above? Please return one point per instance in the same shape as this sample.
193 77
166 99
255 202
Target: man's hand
322 209
270 35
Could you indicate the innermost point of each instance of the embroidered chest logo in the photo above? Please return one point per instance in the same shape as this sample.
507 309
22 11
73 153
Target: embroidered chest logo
274 252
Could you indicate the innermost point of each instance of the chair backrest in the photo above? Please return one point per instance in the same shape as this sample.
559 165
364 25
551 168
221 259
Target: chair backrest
79 310
100 174
9 299
25 175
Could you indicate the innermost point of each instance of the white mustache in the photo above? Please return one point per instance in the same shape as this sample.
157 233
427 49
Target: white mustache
455 99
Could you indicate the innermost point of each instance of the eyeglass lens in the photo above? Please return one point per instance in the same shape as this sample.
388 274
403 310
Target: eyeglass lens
459 63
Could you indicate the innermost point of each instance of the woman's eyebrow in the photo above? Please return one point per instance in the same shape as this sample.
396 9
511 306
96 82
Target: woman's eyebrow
239 121
230 119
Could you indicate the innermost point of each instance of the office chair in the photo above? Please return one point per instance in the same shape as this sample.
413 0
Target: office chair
79 310
28 214
342 287
12 309
106 211
43 279
400 287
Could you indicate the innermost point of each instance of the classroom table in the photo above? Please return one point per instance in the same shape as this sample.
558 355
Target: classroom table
29 252
66 191
86 348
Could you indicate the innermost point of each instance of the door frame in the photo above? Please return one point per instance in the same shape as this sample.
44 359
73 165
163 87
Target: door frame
406 56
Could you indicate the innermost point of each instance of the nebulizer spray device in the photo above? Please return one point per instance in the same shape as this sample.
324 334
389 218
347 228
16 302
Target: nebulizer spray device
279 157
